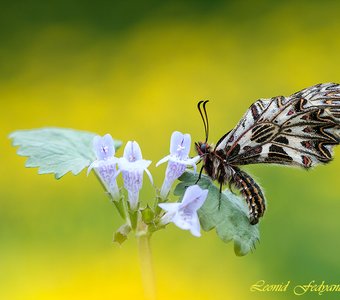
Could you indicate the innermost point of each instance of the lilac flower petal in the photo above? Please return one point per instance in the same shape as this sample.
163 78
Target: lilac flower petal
97 147
165 206
108 173
176 139
126 165
163 160
133 180
103 147
184 214
178 160
193 164
196 227
188 162
149 175
132 151
105 164
142 164
165 189
133 199
194 198
181 221
187 222
102 163
186 145
132 166
108 141
180 144
169 207
173 171
171 210
92 166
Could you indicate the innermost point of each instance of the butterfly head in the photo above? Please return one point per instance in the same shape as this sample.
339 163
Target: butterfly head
202 148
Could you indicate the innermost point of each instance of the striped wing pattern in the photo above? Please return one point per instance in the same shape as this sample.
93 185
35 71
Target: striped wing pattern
299 130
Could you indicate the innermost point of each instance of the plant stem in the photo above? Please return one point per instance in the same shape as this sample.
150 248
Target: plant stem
145 258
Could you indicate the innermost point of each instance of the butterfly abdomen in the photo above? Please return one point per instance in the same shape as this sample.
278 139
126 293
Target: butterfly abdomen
252 194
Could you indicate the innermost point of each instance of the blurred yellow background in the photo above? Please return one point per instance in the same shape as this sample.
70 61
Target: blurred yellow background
136 69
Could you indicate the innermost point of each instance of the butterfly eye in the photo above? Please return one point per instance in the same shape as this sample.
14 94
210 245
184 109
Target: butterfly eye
201 148
204 148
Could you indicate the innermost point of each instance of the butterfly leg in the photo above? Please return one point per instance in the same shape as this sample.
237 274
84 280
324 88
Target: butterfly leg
199 175
220 198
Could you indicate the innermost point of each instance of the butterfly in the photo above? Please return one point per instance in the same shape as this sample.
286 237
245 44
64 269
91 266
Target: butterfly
299 130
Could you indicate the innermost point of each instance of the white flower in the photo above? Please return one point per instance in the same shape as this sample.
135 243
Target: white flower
132 166
184 214
178 160
105 164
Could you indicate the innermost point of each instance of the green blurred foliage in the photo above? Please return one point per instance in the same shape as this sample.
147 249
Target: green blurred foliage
136 70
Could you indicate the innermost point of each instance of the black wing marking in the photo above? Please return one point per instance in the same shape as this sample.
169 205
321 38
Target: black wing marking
298 130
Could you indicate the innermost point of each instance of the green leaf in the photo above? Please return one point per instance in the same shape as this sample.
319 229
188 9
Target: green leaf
56 150
230 219
121 234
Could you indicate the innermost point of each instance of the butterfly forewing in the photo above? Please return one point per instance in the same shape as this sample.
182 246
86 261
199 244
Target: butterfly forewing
298 130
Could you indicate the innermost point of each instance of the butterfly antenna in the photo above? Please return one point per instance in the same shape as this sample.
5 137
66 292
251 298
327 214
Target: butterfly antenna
202 116
206 120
